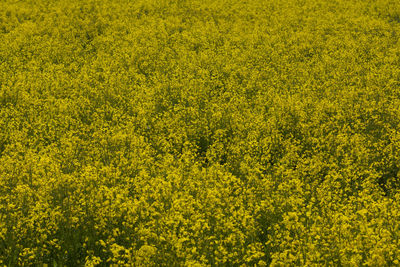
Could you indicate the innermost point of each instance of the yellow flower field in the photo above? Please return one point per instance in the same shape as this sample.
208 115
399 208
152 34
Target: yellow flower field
199 133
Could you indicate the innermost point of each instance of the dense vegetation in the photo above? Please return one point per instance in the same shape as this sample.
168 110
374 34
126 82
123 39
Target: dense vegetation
199 132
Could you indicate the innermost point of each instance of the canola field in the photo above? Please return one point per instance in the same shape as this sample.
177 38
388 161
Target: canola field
199 133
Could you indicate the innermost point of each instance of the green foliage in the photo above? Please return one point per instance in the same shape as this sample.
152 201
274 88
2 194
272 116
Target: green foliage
199 133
